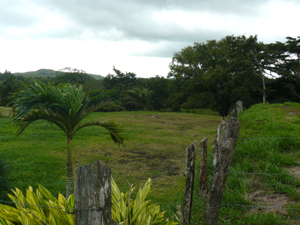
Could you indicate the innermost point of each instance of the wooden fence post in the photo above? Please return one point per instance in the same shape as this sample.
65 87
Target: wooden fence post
216 147
203 168
229 137
93 194
236 110
189 176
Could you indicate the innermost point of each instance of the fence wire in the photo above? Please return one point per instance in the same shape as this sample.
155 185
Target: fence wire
156 178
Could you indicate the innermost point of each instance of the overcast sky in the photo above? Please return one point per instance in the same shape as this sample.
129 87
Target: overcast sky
137 36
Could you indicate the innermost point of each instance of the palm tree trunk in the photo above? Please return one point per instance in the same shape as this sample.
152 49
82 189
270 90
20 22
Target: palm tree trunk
69 189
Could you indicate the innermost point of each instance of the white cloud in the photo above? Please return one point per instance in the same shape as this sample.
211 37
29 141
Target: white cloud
136 36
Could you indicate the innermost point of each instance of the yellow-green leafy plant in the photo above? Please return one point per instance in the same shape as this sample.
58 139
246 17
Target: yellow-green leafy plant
37 208
138 211
41 207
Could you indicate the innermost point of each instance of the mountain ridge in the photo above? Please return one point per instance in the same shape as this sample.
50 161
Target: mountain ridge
46 73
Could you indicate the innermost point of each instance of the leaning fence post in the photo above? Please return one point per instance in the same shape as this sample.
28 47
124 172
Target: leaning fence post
226 149
203 168
189 176
93 194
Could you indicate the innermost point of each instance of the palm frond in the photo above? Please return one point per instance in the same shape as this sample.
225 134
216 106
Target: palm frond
65 99
42 114
114 129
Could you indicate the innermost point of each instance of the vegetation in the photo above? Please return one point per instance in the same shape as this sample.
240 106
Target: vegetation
5 170
39 207
205 81
212 75
4 112
65 106
42 207
46 73
127 210
262 169
263 185
155 143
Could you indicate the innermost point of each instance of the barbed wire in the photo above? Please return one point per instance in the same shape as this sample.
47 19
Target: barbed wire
147 183
104 208
165 173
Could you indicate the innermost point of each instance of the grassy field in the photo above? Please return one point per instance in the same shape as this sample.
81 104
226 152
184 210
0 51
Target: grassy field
263 182
154 144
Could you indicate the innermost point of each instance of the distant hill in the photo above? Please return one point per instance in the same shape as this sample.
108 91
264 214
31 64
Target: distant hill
47 73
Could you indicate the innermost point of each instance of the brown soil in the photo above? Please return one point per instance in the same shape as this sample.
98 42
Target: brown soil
269 202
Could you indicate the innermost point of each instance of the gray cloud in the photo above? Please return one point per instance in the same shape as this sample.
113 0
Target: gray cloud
121 20
12 14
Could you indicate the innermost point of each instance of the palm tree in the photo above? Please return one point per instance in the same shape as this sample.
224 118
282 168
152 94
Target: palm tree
138 98
65 106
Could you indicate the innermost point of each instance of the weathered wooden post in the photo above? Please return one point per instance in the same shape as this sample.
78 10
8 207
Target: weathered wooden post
189 176
226 149
236 110
216 147
93 194
203 168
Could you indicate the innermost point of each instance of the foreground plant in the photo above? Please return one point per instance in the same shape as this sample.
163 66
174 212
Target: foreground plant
129 210
43 208
40 207
65 106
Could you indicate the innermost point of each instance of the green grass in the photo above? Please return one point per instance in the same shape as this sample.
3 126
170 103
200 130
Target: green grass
269 143
4 112
156 142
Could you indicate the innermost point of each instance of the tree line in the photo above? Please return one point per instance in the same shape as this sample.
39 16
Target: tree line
213 75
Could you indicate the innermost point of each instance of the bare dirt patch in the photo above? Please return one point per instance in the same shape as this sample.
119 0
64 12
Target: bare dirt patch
269 202
295 171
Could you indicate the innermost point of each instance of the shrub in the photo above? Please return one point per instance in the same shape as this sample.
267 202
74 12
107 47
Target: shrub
34 207
128 210
42 205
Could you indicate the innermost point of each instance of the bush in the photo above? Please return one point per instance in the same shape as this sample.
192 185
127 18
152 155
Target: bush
42 205
129 210
37 206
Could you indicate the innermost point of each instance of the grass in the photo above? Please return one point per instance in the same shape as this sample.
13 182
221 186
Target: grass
4 112
267 151
260 186
154 143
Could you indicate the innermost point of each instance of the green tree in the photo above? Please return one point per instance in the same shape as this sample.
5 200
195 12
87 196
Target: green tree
159 86
119 81
7 88
5 75
221 68
138 99
73 76
65 106
283 61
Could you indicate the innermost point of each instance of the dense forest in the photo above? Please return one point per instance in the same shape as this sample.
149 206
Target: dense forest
211 75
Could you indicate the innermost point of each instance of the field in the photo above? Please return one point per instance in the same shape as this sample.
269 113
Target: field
154 144
262 185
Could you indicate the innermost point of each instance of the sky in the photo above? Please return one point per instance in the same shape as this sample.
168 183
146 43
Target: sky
139 36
